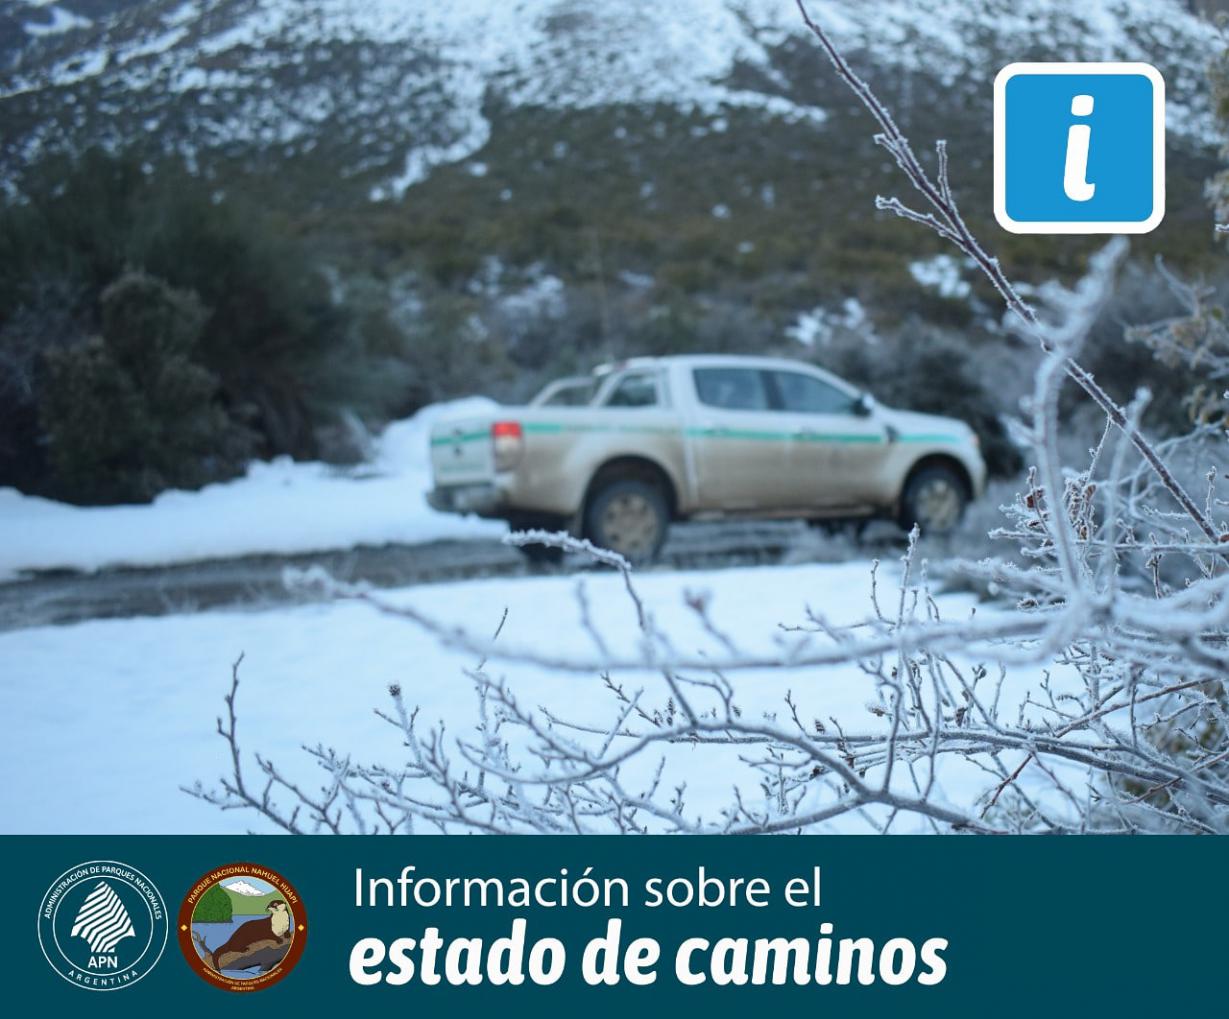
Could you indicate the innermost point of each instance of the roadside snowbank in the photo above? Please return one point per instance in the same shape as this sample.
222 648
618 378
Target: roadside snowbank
129 705
281 507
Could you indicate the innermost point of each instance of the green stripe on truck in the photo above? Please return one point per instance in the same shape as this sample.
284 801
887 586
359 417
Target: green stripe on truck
928 438
752 435
448 440
743 434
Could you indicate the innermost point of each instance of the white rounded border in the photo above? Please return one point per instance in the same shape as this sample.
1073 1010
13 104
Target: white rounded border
166 929
1158 149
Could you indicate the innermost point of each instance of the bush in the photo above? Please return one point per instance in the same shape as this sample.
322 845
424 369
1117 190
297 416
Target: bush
268 336
272 323
129 413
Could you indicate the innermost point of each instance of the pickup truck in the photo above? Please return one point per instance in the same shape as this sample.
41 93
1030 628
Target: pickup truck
617 456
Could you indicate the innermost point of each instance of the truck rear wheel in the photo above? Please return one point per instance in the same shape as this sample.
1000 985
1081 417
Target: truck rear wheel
934 499
628 516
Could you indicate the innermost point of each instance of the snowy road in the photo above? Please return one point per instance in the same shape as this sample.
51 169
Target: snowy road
107 719
58 597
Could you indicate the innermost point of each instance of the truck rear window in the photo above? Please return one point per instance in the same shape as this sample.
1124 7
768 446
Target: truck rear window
566 394
634 391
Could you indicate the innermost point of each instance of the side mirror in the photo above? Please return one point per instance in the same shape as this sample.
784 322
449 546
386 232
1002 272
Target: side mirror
864 405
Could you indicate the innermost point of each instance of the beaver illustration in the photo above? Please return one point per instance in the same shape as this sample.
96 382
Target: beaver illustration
261 943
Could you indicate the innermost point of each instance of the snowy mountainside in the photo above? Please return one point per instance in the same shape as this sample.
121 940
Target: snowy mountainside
386 90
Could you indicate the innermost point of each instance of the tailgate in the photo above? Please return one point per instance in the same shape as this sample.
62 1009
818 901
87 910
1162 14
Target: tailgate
461 452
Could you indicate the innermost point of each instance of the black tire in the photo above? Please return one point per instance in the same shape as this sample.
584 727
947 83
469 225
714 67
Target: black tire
629 516
935 498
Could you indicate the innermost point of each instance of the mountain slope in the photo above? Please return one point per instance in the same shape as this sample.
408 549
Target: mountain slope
385 90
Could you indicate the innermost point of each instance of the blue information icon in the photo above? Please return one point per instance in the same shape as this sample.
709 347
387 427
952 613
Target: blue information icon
1079 148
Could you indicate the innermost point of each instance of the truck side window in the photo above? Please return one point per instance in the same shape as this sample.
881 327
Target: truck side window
805 394
634 390
731 388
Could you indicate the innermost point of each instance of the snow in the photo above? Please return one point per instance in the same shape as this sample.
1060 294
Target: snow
185 12
942 274
281 507
430 69
810 328
243 888
543 297
817 326
119 714
420 161
61 21
774 106
156 44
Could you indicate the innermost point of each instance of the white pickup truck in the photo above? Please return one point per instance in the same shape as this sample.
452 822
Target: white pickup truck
616 456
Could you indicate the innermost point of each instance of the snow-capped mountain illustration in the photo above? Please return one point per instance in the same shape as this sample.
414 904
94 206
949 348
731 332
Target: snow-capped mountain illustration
242 887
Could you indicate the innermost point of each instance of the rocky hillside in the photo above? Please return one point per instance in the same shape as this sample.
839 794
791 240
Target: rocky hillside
384 91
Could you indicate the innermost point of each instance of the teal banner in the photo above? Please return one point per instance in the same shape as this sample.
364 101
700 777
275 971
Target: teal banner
424 925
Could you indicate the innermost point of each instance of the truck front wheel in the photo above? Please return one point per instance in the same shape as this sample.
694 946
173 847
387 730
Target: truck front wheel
934 499
628 516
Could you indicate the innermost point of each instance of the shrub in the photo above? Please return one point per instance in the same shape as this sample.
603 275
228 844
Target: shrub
267 334
129 413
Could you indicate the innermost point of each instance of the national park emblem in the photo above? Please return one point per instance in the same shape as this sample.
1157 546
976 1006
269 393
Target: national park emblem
102 925
242 927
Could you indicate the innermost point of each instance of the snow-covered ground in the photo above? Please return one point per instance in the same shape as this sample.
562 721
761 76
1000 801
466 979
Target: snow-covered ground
105 720
277 508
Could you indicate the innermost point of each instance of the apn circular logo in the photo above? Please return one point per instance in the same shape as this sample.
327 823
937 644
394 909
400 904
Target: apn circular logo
242 927
102 925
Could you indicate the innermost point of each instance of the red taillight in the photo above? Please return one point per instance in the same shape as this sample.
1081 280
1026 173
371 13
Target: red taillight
506 441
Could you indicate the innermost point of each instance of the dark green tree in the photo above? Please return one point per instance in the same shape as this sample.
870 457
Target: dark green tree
272 336
130 412
272 324
213 907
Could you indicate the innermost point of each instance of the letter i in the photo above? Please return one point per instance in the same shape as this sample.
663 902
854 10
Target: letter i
1075 177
